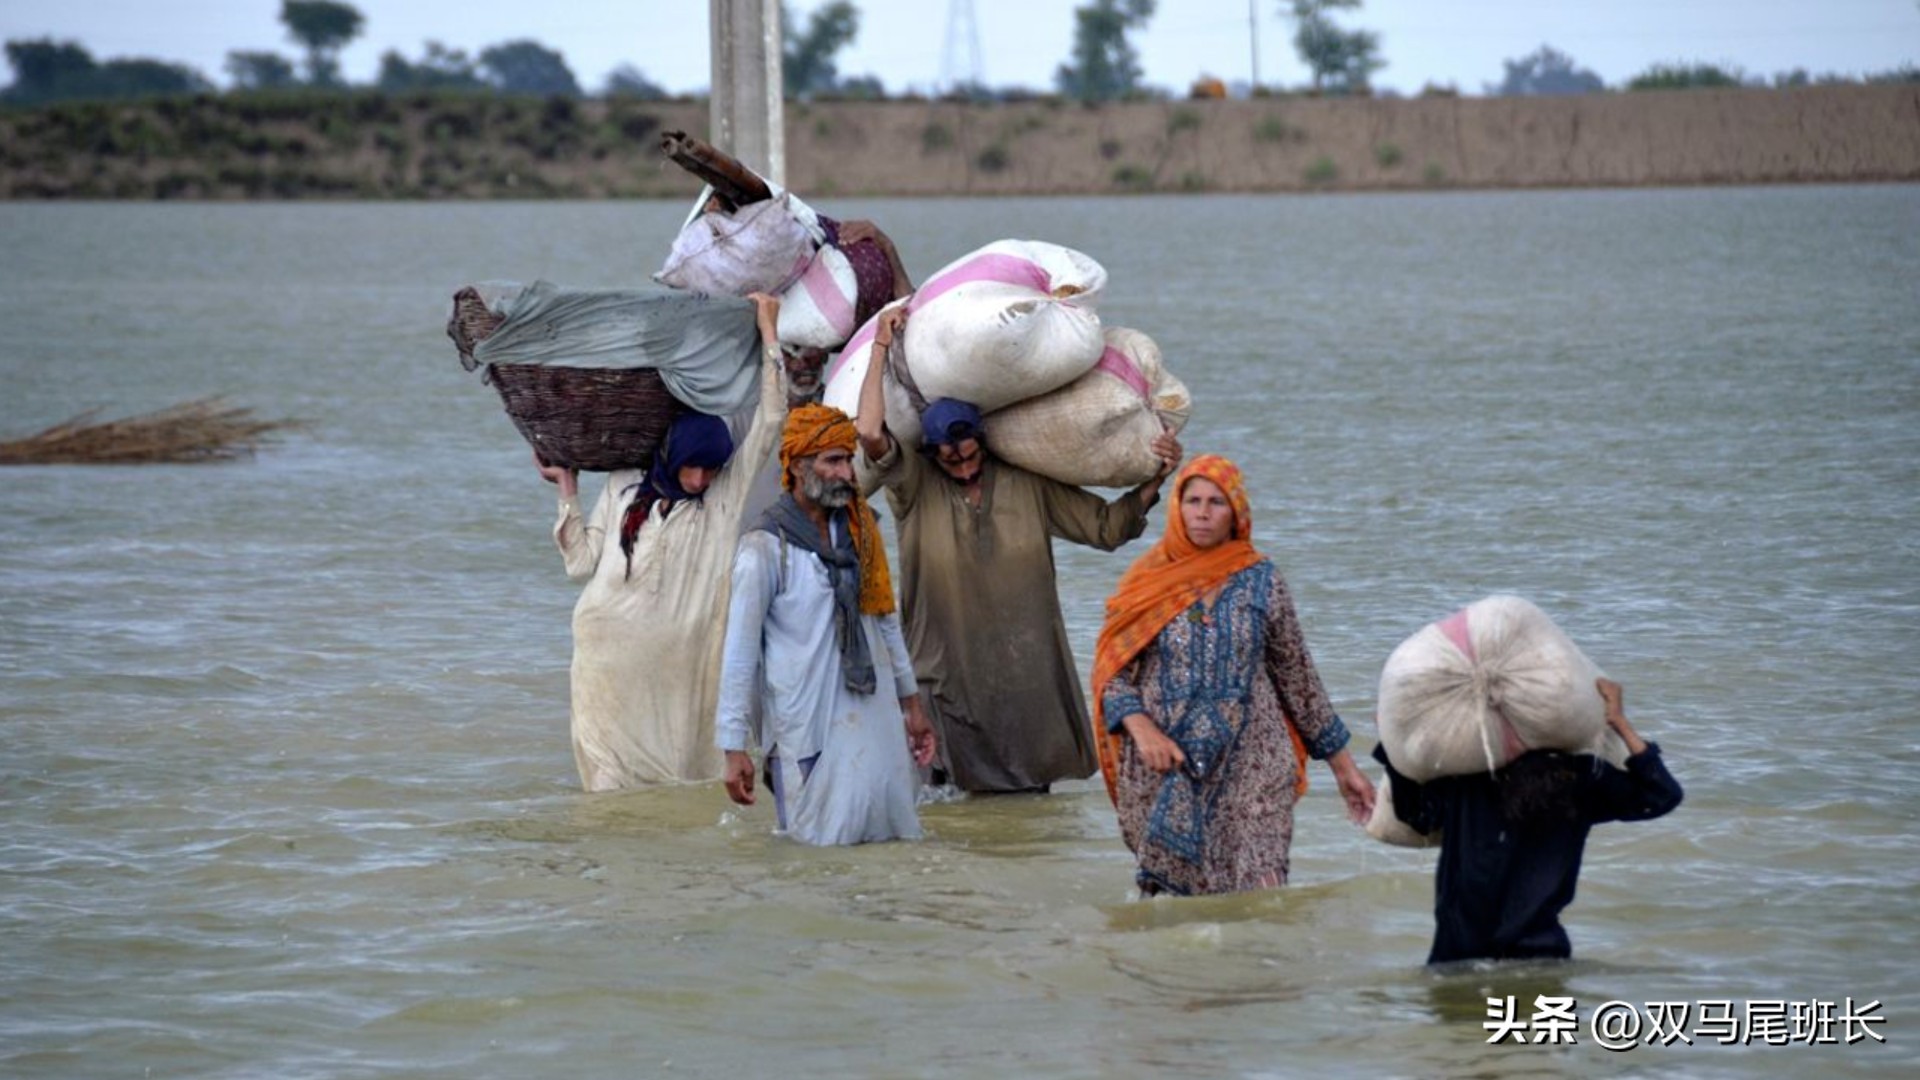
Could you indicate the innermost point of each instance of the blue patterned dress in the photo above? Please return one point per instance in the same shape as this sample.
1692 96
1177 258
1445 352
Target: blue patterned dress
1221 681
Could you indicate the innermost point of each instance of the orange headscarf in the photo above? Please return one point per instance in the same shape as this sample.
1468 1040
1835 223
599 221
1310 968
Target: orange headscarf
810 430
1165 582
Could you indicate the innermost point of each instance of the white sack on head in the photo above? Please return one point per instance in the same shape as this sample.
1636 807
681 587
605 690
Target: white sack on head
761 247
1098 430
1448 691
1010 321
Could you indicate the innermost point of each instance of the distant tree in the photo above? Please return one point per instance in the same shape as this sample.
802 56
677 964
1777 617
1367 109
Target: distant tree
1906 74
260 70
1802 77
1103 65
1547 72
626 81
527 67
323 27
807 58
1341 60
862 88
1685 76
137 77
440 68
46 70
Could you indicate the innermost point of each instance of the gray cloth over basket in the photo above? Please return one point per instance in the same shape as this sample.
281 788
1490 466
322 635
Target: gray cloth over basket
704 347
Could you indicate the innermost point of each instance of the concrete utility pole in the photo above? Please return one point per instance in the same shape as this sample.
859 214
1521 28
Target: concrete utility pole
746 116
1253 40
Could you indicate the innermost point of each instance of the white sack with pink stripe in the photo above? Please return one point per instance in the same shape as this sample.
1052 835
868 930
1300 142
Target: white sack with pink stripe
1098 430
1010 321
1471 692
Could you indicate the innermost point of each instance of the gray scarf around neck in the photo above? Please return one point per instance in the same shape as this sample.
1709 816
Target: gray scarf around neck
785 519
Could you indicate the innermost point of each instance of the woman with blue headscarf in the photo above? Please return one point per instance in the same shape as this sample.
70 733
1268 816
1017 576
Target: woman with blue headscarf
656 555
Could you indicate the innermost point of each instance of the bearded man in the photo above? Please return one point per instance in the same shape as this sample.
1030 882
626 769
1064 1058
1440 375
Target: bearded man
812 635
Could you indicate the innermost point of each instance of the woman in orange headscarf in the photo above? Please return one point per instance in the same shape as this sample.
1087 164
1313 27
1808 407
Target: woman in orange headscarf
1207 703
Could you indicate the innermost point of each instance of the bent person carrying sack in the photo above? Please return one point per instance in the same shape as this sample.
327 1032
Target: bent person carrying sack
1511 840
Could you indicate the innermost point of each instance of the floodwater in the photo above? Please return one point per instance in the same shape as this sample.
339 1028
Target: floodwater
287 789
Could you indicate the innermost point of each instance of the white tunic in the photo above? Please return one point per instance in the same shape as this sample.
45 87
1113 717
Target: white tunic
781 653
646 647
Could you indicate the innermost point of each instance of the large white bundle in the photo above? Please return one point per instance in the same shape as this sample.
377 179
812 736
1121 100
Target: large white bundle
1097 430
761 247
1010 321
1450 693
781 248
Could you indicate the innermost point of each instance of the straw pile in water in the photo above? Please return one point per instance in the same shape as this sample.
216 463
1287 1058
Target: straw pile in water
205 430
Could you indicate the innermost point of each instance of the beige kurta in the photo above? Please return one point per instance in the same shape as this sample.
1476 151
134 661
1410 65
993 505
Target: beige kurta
646 644
983 618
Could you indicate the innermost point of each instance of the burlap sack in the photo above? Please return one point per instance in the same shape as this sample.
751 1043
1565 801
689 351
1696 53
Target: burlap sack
1097 430
1466 694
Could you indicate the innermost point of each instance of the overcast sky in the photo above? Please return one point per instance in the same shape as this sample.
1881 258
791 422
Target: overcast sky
1450 42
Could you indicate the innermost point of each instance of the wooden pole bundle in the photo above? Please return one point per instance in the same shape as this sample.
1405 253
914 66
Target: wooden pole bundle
736 184
208 429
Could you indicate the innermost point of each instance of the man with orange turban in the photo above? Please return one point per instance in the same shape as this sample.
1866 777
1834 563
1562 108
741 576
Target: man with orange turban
813 637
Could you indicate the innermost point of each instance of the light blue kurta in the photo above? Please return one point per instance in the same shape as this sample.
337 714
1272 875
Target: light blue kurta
846 773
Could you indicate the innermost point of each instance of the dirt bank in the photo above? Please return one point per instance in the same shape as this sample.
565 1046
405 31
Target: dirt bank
372 146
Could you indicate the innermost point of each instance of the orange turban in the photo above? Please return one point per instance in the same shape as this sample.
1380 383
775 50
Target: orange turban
813 429
1165 582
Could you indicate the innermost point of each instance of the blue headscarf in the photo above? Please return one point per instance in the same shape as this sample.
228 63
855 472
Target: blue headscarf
693 439
950 420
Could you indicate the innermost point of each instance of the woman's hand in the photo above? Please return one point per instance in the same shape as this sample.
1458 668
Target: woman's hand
568 479
1157 752
1355 788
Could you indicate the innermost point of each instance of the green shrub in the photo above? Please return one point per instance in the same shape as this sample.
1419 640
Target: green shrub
1132 178
935 138
1273 129
1434 175
993 159
1183 120
1193 181
1387 155
1322 171
1682 76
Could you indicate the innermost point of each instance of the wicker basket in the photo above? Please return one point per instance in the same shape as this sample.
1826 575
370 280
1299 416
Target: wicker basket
470 324
594 419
